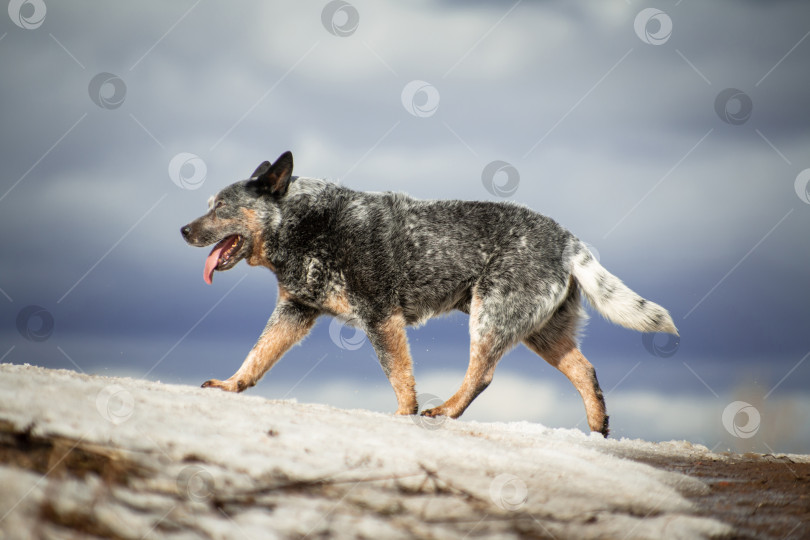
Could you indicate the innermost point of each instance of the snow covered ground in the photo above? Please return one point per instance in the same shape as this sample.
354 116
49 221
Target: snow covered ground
125 458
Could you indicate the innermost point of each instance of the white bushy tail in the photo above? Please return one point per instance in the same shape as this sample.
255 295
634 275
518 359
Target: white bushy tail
613 299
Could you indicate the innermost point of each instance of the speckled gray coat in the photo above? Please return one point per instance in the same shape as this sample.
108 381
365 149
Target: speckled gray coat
383 261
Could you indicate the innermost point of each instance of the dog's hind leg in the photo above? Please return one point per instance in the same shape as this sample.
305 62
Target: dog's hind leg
566 356
484 356
556 342
505 307
288 324
487 347
390 341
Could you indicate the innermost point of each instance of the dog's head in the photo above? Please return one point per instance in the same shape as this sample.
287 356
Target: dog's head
239 215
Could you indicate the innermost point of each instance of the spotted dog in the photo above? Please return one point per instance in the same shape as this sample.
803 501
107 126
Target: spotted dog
385 261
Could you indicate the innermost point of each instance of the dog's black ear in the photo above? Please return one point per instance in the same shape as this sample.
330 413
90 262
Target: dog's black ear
275 178
260 170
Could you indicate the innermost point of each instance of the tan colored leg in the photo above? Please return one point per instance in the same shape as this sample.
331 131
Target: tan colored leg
484 356
287 326
390 340
565 356
479 374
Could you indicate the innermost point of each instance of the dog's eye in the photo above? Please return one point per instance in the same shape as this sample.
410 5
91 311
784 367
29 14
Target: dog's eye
219 204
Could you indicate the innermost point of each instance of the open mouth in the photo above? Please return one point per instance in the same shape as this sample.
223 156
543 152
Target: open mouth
221 257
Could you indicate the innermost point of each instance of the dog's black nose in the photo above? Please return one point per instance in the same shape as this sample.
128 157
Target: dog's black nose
185 231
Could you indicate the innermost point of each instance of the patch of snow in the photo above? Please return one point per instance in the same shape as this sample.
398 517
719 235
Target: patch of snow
225 465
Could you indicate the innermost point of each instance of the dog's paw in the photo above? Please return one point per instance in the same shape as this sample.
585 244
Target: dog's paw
434 412
605 430
228 386
214 383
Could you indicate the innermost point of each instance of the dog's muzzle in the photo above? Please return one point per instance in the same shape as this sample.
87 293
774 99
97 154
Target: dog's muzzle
191 235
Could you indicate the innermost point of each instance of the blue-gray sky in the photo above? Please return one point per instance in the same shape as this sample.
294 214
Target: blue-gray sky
616 117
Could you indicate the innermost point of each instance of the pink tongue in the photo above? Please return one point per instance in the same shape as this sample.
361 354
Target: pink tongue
212 260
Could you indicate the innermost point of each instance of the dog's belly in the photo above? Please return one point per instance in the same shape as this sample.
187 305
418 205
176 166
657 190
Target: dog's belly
418 309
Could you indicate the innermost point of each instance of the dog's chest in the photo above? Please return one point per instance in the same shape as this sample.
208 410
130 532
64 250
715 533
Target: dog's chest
314 283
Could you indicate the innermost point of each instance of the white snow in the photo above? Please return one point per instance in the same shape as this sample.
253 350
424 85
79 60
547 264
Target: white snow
223 465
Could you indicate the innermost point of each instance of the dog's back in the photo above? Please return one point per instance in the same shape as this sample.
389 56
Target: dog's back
425 255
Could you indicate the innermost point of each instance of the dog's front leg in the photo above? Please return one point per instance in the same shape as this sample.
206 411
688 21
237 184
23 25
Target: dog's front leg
391 344
289 324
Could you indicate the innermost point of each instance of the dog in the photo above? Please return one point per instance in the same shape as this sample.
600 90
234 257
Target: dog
386 261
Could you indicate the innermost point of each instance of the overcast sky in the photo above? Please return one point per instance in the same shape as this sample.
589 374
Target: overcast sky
671 137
